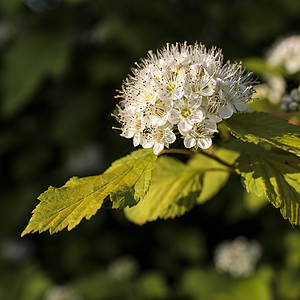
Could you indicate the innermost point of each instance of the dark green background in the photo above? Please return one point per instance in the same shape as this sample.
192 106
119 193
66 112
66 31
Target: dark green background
60 64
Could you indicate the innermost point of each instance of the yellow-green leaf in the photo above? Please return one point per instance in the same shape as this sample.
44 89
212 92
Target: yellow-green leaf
174 189
274 175
177 187
126 181
215 174
261 127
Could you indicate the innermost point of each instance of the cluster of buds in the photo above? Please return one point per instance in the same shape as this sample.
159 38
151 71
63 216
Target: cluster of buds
182 88
291 102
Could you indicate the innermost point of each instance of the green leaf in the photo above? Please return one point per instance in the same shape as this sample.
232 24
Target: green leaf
216 174
253 202
200 283
126 181
134 174
174 189
261 127
292 246
152 285
177 187
27 63
260 66
276 176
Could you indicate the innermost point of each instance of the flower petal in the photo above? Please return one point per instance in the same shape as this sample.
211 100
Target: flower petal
177 94
204 143
173 117
197 116
158 147
240 106
136 140
147 144
189 142
214 118
185 125
211 125
170 137
225 112
208 91
195 102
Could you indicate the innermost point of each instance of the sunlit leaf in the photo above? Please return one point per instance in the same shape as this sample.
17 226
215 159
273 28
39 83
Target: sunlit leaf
126 181
177 187
216 174
254 202
261 127
276 176
174 189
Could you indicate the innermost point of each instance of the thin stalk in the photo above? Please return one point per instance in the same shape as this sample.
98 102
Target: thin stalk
213 156
178 151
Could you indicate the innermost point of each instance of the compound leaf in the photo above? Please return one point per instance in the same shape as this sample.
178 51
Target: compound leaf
274 175
261 127
126 181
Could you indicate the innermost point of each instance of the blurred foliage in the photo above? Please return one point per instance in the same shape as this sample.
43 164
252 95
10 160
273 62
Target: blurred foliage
61 62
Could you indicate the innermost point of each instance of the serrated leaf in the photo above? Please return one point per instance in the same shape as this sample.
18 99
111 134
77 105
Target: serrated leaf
276 176
177 187
261 127
126 181
134 183
174 189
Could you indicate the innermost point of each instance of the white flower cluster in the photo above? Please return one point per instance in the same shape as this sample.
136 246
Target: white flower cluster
286 53
237 257
181 87
291 102
123 268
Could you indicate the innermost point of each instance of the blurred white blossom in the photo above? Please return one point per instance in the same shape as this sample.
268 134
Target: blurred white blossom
273 89
123 268
16 250
237 257
286 53
61 293
87 159
185 88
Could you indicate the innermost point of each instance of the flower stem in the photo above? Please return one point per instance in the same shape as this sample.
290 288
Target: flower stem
179 151
216 158
210 155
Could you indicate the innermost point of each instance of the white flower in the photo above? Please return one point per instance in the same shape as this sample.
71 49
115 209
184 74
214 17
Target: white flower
186 113
181 87
286 53
156 137
200 135
123 268
237 257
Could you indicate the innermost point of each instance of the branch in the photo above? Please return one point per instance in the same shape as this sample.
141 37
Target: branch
216 158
